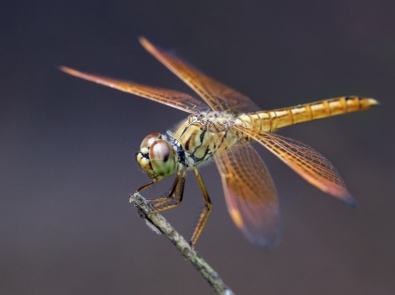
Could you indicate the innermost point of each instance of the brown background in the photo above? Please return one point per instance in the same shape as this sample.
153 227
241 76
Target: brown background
67 145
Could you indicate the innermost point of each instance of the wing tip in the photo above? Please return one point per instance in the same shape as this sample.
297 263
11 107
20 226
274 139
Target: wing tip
266 243
343 194
266 235
69 71
349 200
146 44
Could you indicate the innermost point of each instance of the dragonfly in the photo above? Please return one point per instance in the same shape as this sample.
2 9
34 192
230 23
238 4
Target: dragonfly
221 127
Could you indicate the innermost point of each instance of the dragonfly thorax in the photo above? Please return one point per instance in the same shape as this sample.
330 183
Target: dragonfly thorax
157 157
223 119
204 135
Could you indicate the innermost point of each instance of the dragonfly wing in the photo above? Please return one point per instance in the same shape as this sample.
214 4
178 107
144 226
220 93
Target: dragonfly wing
218 96
170 98
305 161
250 195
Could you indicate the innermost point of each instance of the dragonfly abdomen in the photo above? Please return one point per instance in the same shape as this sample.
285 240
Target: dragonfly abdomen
269 121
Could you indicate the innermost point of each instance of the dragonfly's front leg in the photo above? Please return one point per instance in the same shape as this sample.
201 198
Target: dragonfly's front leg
205 212
173 199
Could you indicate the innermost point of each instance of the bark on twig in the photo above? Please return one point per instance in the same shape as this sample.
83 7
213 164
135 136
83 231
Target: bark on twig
159 222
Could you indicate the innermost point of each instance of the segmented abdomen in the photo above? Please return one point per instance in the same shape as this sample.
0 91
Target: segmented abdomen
270 121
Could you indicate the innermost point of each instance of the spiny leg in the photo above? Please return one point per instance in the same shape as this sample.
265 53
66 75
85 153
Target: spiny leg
145 186
173 199
205 212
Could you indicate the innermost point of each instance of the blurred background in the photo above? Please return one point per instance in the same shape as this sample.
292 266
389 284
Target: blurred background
67 145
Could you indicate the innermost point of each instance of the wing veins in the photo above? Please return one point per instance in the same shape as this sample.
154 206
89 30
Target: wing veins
304 160
172 98
217 95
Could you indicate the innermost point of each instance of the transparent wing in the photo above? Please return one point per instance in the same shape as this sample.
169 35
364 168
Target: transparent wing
250 195
218 96
305 161
175 99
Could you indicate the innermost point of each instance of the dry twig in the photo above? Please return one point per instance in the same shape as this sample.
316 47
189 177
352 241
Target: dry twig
157 221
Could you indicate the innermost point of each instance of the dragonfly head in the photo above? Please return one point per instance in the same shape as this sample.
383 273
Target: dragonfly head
156 156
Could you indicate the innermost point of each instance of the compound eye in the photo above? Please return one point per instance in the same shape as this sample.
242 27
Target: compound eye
149 139
162 158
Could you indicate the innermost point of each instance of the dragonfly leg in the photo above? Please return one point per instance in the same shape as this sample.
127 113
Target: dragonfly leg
145 186
173 199
205 212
